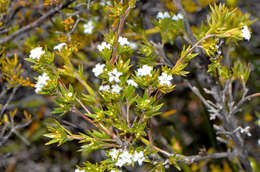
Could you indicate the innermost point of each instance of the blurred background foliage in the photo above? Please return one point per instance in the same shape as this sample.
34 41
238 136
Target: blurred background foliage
184 123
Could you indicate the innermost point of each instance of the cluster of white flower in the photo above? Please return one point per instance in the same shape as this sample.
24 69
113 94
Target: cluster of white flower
104 88
123 41
165 79
78 170
99 68
114 153
59 46
132 83
124 157
246 33
36 53
88 27
42 81
132 45
116 171
115 88
163 15
177 17
114 76
103 45
144 70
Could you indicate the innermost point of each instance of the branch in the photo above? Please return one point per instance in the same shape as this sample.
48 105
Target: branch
120 28
194 158
247 98
36 23
186 22
8 101
197 44
99 125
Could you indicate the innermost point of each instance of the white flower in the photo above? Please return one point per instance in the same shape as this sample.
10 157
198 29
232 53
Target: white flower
180 16
162 15
114 153
132 45
36 53
78 170
42 81
123 41
70 94
258 141
104 88
120 163
59 46
116 171
114 76
132 83
165 79
103 45
177 17
99 68
139 157
145 70
124 158
246 33
88 27
116 89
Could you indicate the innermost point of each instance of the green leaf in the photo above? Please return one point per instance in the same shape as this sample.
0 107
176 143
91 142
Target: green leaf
58 134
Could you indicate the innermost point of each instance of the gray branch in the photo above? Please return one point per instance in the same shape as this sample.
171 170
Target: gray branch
36 23
196 158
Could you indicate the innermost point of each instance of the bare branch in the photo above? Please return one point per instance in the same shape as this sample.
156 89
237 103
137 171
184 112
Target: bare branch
36 23
8 101
196 158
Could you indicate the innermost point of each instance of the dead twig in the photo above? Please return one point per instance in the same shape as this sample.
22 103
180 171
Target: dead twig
36 23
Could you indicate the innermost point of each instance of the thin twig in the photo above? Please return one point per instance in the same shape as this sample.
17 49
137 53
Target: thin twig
128 114
196 158
186 22
8 101
36 23
150 132
196 45
119 31
99 125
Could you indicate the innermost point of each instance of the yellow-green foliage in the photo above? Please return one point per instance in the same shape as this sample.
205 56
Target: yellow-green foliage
225 23
4 5
11 115
11 72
